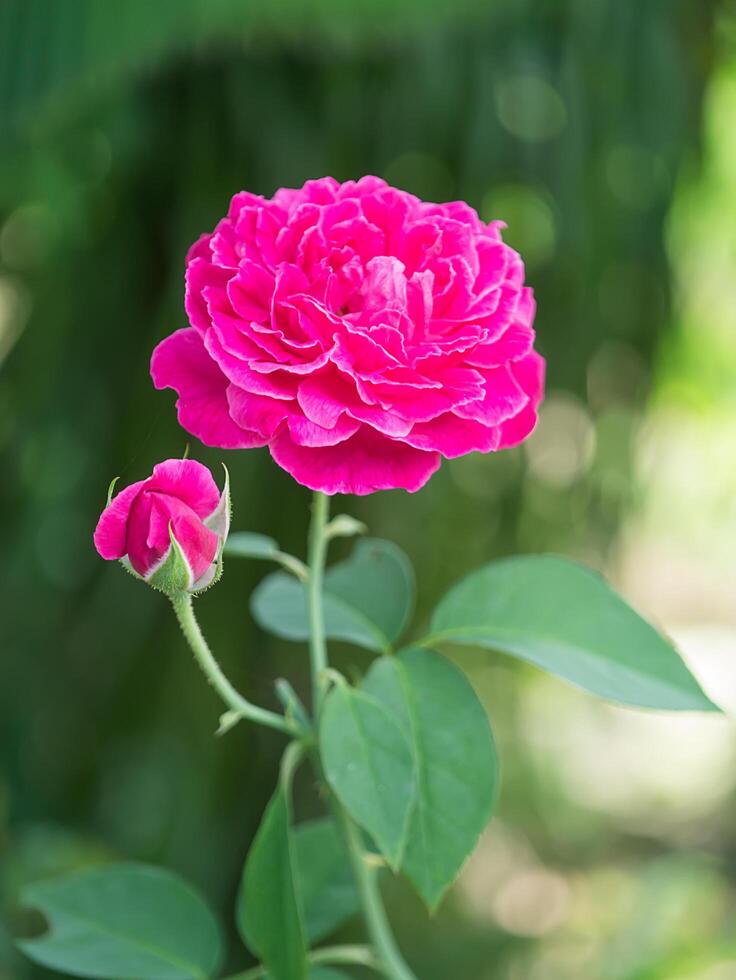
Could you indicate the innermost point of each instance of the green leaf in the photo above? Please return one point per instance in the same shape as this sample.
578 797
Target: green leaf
242 544
368 599
326 884
124 920
269 914
368 763
562 617
454 758
378 581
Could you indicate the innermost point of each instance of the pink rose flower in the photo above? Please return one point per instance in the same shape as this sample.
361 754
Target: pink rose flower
176 516
358 332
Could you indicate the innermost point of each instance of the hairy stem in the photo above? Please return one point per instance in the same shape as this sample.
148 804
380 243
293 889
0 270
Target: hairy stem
182 603
389 959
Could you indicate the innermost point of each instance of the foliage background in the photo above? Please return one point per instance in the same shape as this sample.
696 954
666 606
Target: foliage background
602 132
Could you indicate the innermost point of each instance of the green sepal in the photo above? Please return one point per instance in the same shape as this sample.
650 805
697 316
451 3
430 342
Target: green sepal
111 489
125 562
174 574
211 577
219 519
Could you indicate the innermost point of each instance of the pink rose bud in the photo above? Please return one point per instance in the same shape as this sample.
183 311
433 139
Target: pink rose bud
169 529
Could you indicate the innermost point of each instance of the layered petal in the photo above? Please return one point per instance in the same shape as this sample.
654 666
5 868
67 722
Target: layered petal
367 462
359 332
189 481
110 533
182 363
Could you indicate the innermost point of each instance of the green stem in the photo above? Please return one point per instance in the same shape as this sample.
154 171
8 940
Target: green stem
316 557
182 603
390 959
366 877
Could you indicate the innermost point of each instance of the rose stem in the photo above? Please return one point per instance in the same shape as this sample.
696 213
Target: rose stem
379 930
182 603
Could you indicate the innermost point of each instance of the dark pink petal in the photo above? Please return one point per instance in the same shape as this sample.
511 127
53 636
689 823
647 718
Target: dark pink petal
421 244
110 532
526 307
420 303
244 199
361 236
342 210
324 398
458 210
315 319
515 430
189 481
197 541
148 539
258 413
306 433
226 247
529 373
201 275
365 463
182 363
493 259
297 368
504 397
452 436
142 556
275 384
322 190
200 249
231 342
366 185
456 239
453 294
515 343
389 209
251 290
358 353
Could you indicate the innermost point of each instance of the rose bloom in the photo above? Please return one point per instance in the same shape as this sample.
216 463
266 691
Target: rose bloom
358 332
181 499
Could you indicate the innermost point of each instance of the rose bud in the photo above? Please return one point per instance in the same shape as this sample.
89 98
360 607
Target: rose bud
169 529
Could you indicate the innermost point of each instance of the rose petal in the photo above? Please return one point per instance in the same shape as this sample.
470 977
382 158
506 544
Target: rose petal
257 413
452 436
189 481
109 536
182 363
197 541
365 463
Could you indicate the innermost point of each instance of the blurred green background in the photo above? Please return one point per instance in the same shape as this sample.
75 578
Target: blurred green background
604 133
